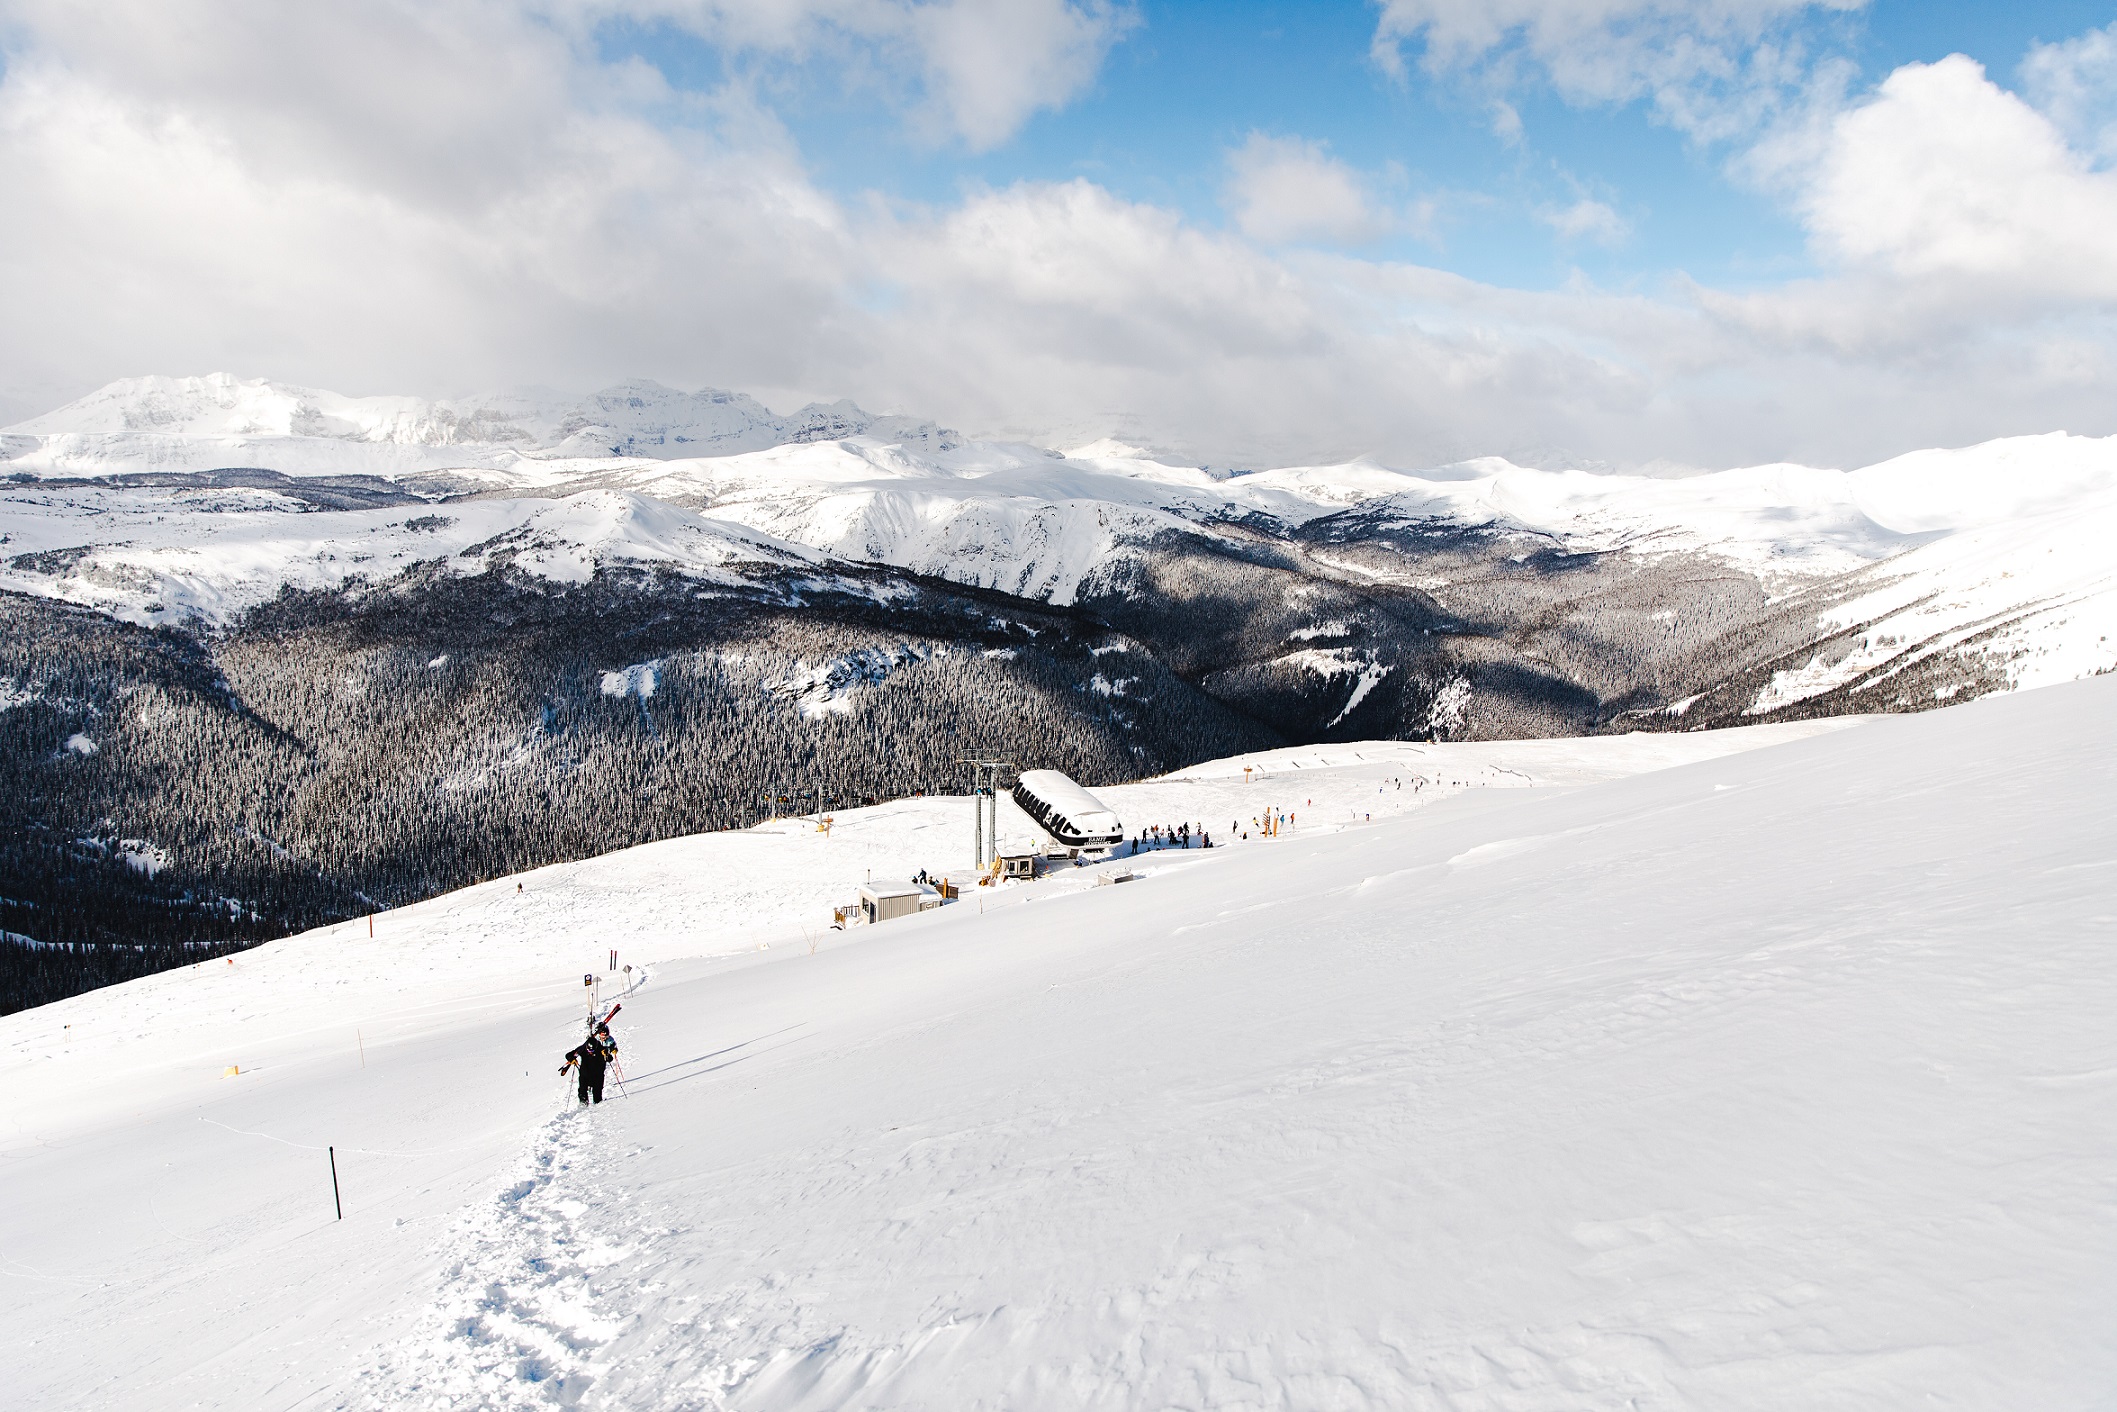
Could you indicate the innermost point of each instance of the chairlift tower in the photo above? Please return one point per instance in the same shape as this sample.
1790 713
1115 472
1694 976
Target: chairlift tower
985 799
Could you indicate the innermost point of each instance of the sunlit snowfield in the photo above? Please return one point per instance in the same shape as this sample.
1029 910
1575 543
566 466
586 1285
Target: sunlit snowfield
1658 1071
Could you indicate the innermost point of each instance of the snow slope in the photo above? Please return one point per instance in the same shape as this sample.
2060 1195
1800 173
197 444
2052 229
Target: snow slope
2014 478
1782 1078
210 555
2033 599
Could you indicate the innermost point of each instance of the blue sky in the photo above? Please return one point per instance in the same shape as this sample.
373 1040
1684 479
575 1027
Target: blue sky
1192 79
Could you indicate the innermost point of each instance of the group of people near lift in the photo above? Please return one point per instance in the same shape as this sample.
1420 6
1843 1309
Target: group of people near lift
1274 822
1170 836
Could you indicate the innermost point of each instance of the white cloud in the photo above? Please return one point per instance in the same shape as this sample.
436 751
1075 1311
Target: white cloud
176 232
450 101
1072 311
1587 219
1949 211
464 91
996 62
1712 68
2075 84
980 68
1283 189
1945 174
1968 256
482 200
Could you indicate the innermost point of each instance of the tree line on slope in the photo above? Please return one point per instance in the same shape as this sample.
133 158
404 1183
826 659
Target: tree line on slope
1372 623
339 752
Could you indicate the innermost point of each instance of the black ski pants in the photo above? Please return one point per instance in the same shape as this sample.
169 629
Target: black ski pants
592 1084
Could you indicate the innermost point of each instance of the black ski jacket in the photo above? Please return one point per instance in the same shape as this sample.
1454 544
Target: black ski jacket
591 1055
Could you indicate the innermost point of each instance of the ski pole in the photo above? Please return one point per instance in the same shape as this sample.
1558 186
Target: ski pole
619 1070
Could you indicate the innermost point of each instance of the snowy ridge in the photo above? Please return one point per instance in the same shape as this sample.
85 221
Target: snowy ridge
1969 487
219 405
1018 518
169 423
2035 600
238 549
1929 549
1945 528
1789 509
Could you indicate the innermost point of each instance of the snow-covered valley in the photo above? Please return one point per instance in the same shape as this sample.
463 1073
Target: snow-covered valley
1661 1071
315 654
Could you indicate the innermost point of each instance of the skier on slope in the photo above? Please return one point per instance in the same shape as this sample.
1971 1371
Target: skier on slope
592 1055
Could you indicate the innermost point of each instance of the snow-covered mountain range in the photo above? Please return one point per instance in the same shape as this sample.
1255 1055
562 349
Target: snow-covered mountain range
199 423
1963 570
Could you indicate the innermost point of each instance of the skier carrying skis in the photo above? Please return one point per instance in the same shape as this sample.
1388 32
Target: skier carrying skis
592 1055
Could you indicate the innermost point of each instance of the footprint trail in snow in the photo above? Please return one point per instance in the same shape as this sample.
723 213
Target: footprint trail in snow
525 1300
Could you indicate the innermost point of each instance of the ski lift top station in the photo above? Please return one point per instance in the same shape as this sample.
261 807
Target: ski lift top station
1067 812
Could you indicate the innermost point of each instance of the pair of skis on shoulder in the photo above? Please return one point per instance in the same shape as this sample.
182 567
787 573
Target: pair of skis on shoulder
593 1026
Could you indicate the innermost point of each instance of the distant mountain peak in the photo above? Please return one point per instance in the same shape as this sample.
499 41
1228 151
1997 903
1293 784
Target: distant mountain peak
636 417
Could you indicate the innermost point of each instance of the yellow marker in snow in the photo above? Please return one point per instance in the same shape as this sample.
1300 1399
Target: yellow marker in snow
230 1072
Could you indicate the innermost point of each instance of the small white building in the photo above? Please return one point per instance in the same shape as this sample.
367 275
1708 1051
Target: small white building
1016 857
882 902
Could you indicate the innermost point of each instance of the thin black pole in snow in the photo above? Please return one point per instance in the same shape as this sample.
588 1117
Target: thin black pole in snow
336 1204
